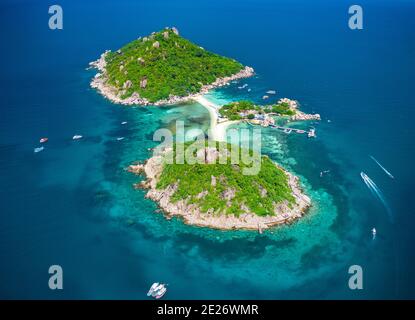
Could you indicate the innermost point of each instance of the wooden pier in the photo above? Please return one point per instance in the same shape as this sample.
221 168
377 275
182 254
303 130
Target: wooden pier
287 129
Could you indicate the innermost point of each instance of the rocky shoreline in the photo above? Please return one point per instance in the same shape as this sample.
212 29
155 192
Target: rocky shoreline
301 116
99 82
192 215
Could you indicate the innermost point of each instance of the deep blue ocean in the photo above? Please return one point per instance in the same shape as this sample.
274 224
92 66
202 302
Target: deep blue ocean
74 205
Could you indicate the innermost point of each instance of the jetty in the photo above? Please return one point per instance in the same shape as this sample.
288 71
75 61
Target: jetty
288 129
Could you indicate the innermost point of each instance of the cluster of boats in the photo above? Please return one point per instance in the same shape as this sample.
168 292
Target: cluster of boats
375 190
249 90
75 137
157 290
41 148
44 140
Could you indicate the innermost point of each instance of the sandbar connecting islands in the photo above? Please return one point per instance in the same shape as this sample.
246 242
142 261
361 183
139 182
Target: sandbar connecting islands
164 68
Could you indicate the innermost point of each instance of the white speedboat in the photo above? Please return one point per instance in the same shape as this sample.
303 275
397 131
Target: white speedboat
158 288
152 288
160 293
364 176
312 133
76 137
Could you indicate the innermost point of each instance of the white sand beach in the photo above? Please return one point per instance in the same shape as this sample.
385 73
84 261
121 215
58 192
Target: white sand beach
218 130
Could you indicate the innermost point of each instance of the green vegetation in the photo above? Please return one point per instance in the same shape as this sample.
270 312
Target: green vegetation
232 110
168 63
282 109
259 193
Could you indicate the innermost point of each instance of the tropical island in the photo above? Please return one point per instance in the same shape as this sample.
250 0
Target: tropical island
212 191
247 110
216 194
162 68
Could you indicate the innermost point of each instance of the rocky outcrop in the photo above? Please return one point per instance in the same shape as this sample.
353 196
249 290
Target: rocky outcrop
143 83
301 116
136 168
228 194
293 104
213 181
176 32
127 84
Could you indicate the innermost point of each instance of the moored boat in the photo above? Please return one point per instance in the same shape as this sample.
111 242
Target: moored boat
36 150
152 288
157 290
312 133
161 293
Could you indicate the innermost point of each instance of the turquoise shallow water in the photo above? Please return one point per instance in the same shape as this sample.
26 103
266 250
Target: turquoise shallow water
73 204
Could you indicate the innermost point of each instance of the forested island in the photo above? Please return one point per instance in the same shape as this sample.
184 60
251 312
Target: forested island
263 114
162 68
245 109
219 195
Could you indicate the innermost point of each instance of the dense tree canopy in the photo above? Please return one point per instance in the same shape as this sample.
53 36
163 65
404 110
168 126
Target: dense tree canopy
259 193
164 64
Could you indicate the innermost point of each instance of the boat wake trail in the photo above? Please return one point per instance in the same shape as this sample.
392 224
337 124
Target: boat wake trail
377 193
382 167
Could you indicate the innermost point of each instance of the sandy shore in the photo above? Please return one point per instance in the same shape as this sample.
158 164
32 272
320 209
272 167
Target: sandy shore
192 215
100 83
218 130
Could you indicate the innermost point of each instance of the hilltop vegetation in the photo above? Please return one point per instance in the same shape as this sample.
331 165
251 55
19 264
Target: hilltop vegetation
282 109
224 188
165 64
246 109
232 110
